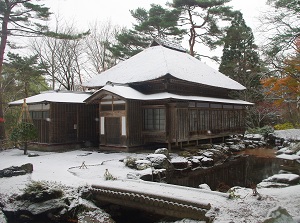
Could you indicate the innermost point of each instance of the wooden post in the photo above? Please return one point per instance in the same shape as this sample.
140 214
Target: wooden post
169 146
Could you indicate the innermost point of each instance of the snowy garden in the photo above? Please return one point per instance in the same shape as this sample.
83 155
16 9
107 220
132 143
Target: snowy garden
66 176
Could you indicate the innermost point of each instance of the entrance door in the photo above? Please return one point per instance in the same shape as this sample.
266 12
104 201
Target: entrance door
113 130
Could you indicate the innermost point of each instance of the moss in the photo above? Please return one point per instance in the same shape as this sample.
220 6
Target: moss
39 191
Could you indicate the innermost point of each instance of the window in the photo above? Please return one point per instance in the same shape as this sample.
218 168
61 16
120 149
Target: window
39 114
154 119
193 120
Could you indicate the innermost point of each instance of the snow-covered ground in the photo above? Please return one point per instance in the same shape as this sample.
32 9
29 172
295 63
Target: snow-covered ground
288 134
64 168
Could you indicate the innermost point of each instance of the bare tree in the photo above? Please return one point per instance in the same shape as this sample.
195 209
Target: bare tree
63 60
97 45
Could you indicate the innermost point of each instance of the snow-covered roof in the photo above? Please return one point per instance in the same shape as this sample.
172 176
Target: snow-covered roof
168 44
130 93
158 61
55 96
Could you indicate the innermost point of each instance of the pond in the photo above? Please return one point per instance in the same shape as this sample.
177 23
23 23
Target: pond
247 168
250 166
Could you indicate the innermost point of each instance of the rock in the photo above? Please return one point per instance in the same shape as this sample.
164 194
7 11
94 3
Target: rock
16 170
51 206
21 207
159 161
284 178
28 167
207 162
218 147
142 164
134 176
279 215
163 151
96 216
234 148
180 162
208 154
2 217
295 147
32 154
254 137
195 162
204 187
251 146
271 185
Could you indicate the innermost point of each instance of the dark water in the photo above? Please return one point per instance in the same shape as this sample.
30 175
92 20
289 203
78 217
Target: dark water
247 168
251 166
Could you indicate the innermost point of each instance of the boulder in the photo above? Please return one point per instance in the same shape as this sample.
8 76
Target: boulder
50 206
2 217
163 151
159 161
207 162
16 170
180 162
284 178
234 148
32 154
28 167
134 176
142 164
95 216
204 187
279 215
18 208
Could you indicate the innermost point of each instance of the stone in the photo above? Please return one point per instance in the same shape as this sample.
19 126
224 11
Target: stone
28 167
134 176
180 162
32 154
234 148
96 216
159 161
163 151
284 178
207 162
16 170
142 164
279 215
46 206
2 217
204 187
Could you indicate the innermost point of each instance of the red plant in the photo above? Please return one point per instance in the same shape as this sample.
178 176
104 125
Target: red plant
2 120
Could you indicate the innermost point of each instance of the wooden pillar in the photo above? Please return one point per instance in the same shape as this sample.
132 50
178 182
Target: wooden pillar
169 147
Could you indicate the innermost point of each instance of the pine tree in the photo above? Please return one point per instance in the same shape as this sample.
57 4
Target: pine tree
204 18
240 60
157 22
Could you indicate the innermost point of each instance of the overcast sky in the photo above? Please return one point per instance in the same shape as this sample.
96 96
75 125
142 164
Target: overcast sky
88 11
84 13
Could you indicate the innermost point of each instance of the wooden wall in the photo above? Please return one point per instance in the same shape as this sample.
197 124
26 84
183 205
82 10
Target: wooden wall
72 123
134 123
180 87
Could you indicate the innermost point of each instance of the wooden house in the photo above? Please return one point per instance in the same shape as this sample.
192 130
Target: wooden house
164 96
63 119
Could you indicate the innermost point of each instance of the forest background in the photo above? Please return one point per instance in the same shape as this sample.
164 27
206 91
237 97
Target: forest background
61 54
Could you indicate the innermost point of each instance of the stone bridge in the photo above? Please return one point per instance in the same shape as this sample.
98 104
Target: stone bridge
162 199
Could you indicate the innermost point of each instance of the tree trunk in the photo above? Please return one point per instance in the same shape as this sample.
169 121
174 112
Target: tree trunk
3 42
25 148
